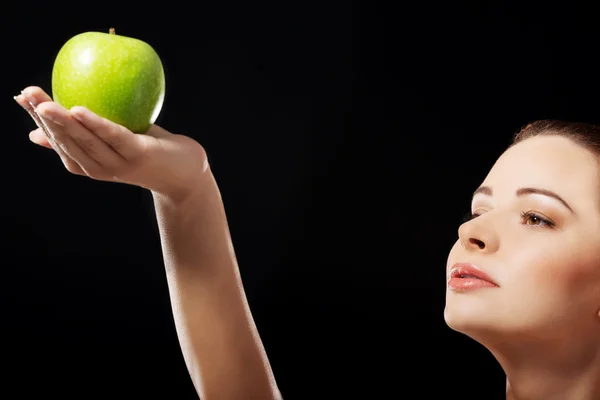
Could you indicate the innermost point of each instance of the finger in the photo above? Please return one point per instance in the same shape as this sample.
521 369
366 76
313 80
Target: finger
35 95
39 137
95 157
30 98
126 143
28 105
70 164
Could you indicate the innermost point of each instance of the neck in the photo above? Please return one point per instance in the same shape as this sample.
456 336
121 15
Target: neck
564 369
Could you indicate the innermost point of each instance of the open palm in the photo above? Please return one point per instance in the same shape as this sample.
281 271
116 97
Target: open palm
92 146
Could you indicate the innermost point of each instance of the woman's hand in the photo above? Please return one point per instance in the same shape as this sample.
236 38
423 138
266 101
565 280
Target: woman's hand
219 339
88 145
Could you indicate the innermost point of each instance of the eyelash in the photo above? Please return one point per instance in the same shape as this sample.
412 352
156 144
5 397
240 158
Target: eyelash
524 215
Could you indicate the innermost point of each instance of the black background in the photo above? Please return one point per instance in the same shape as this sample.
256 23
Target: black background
346 138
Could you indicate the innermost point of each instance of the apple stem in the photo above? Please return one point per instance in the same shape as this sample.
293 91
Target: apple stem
111 31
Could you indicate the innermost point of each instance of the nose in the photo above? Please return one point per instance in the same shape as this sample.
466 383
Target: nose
479 235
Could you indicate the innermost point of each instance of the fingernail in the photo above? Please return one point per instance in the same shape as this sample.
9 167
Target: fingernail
30 99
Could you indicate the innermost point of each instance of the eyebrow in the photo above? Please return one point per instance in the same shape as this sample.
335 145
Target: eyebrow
486 190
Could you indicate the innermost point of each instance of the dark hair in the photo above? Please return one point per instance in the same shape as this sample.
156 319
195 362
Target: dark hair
582 133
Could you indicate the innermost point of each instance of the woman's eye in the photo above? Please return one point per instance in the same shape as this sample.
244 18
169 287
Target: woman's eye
533 219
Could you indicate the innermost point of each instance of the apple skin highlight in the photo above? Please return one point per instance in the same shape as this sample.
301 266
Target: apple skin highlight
117 77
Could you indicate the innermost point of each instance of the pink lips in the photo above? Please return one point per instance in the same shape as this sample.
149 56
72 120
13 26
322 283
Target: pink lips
468 277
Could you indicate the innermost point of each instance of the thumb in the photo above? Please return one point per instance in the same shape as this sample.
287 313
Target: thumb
39 137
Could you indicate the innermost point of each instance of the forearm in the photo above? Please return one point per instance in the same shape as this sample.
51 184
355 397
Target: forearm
218 337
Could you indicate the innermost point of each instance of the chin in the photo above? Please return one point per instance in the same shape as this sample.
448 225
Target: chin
478 329
470 315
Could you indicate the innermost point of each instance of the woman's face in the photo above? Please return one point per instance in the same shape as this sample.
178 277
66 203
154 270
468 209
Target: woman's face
543 255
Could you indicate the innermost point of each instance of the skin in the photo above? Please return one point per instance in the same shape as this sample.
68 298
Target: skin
219 340
542 323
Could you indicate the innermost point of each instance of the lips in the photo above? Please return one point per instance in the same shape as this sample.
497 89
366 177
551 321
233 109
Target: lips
463 274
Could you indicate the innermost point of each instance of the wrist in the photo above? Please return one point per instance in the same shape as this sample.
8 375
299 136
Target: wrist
202 191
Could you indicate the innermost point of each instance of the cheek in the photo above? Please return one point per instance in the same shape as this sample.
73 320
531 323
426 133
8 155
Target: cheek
563 273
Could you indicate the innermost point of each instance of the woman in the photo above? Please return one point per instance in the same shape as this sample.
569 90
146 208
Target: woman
523 277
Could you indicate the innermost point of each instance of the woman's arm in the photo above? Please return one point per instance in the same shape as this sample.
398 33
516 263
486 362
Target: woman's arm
219 340
218 337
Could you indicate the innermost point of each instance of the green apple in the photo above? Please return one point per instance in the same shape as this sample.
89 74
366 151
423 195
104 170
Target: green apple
117 77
